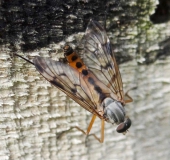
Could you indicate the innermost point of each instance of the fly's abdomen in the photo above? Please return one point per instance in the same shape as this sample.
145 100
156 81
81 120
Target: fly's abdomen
73 59
95 89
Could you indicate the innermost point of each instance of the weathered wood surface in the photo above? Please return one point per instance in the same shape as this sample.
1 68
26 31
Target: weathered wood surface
33 114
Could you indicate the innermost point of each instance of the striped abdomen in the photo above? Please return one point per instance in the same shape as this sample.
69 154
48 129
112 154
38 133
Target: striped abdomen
73 59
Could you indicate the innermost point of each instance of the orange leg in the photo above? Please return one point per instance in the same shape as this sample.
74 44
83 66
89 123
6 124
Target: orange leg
128 99
101 139
90 126
86 133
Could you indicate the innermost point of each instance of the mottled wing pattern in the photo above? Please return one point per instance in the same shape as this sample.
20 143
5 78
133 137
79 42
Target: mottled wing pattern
68 80
99 58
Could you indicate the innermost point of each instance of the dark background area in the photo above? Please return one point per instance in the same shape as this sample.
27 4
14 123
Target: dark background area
33 24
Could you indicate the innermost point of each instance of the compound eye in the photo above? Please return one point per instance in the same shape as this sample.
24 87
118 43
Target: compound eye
124 126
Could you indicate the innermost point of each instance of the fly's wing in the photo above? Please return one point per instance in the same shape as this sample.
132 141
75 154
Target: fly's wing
68 80
99 58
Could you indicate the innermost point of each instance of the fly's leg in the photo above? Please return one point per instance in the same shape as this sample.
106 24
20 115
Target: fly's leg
86 133
89 127
127 98
101 139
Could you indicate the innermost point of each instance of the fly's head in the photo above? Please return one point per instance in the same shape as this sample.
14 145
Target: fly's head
124 126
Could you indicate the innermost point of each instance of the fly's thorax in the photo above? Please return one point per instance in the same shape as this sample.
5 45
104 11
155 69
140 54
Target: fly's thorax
114 111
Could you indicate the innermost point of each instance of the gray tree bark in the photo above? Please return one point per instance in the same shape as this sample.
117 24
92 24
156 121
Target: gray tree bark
36 117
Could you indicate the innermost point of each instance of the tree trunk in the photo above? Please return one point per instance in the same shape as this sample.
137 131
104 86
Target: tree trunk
36 117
